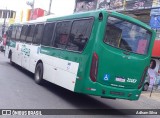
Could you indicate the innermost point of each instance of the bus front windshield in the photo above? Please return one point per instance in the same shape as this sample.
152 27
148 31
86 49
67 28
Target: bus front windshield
127 36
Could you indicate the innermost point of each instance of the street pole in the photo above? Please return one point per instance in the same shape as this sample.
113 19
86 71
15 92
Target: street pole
49 10
32 10
4 23
31 4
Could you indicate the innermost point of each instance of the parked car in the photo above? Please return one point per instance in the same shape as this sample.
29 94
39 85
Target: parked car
146 83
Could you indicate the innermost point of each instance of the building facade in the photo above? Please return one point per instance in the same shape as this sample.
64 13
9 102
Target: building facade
5 17
148 11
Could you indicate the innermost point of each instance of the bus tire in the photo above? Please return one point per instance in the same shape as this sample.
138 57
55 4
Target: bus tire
38 75
145 87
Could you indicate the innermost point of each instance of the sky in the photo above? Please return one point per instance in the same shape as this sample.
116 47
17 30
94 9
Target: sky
59 7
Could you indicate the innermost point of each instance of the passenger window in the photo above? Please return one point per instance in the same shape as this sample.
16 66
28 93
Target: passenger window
127 36
113 35
30 33
48 33
13 32
80 33
24 33
19 28
10 29
38 33
62 34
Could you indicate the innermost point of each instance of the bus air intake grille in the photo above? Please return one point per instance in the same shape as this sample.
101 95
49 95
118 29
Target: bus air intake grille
117 93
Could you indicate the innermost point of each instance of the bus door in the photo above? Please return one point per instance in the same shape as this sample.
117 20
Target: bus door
23 46
18 53
26 47
25 56
18 46
35 35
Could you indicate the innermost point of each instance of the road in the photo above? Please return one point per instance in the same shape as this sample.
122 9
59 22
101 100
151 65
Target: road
19 91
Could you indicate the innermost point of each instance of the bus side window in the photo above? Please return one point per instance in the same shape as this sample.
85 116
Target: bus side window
19 28
80 33
48 33
38 34
30 33
62 34
13 36
10 31
113 35
24 33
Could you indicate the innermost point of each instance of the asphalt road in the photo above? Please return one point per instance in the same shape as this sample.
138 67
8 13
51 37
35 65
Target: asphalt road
19 91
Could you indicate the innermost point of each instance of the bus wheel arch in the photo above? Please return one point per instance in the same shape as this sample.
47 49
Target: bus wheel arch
38 74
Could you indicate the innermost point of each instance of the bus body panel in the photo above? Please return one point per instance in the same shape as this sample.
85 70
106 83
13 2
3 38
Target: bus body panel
124 74
55 65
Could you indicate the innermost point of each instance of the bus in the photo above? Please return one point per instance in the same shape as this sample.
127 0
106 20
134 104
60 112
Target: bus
101 53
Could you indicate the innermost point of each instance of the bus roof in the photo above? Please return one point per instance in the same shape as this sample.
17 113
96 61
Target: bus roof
95 13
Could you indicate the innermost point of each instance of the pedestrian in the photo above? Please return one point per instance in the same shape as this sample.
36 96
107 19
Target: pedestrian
152 73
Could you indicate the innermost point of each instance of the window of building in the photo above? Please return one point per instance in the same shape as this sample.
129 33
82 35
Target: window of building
62 34
48 33
18 34
158 35
30 33
24 33
38 33
80 33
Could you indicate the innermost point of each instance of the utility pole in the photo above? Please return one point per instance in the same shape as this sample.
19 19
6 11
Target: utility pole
4 23
49 10
3 26
32 6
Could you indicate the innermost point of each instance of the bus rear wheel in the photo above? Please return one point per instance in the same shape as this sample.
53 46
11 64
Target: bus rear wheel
38 75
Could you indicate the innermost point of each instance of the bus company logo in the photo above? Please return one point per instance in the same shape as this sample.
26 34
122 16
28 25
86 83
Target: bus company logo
106 77
6 112
119 79
131 80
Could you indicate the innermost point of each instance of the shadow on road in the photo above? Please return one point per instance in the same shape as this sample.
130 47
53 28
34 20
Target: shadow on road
84 103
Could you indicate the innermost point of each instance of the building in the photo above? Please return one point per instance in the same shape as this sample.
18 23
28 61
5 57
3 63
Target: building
5 17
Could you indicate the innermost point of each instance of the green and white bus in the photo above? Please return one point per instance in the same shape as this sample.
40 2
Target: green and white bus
98 52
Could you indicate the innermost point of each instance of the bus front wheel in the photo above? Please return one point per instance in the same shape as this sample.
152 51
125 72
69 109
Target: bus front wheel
38 75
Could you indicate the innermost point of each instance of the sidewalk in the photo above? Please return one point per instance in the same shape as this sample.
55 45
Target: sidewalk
155 95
